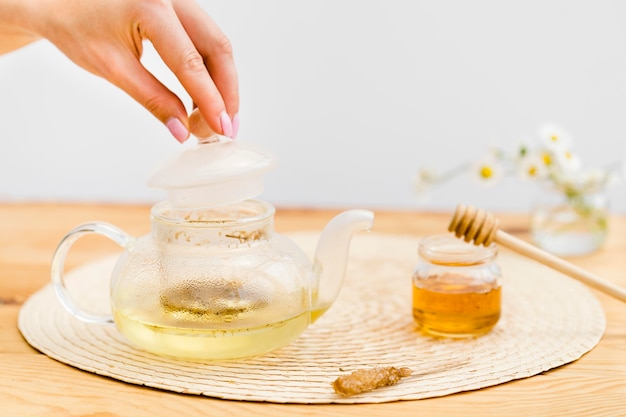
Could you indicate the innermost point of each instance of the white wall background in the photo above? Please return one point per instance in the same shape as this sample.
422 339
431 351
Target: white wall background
352 95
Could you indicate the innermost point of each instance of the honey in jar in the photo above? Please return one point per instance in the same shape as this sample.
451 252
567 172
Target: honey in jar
456 287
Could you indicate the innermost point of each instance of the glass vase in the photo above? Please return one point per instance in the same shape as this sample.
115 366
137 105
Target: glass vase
573 224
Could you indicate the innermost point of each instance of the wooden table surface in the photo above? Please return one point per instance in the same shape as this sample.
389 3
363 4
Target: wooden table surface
31 384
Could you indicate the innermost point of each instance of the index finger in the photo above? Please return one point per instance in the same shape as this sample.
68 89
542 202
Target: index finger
216 49
167 34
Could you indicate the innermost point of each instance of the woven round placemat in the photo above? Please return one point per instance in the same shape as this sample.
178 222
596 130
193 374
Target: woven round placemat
547 320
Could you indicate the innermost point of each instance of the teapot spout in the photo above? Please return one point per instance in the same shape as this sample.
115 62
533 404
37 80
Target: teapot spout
331 255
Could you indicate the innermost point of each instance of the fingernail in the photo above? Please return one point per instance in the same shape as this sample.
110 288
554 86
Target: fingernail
235 125
177 129
227 125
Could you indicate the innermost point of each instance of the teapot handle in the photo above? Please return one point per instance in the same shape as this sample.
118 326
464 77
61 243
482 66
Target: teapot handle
58 265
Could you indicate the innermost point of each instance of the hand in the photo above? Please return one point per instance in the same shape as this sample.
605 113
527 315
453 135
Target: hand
105 37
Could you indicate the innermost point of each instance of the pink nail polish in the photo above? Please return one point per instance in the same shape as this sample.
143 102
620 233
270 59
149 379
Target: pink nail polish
235 125
227 125
177 129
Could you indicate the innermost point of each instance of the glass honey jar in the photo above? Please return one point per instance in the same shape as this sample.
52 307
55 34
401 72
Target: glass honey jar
456 287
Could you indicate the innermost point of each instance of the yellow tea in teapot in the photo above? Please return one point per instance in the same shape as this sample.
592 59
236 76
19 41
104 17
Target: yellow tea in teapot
194 320
210 343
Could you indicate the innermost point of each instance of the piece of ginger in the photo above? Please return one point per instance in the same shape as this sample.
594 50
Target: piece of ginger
364 380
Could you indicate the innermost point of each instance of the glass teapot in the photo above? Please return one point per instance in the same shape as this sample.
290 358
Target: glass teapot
213 280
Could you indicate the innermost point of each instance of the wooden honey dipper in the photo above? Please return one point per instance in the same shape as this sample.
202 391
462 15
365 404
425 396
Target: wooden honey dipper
481 227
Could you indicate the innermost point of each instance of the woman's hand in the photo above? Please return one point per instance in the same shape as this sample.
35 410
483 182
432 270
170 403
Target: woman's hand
105 37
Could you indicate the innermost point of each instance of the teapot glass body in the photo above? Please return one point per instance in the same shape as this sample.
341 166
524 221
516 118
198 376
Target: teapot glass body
215 283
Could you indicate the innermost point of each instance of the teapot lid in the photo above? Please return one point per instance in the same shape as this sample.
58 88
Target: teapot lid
216 171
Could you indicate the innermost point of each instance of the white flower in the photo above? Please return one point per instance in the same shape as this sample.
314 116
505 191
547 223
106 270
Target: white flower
488 170
546 159
532 167
554 138
566 161
551 162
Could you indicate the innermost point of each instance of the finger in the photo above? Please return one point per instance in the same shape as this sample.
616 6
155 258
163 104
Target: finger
178 52
127 73
216 50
